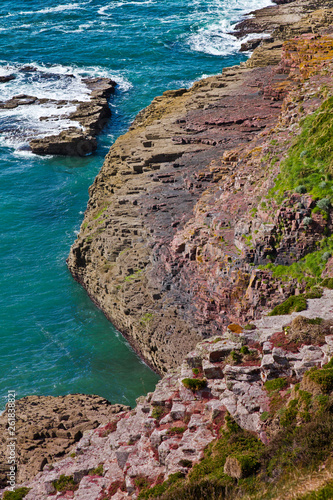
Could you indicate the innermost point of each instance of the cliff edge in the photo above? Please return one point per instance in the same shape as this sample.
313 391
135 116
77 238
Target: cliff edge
169 245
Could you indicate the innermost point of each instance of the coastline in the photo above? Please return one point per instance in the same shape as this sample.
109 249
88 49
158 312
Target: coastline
127 255
172 145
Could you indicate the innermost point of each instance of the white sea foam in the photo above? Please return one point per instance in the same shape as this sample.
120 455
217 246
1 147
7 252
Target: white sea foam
103 11
211 33
55 83
58 8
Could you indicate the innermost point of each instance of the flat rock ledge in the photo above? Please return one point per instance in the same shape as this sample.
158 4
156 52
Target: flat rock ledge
47 427
143 442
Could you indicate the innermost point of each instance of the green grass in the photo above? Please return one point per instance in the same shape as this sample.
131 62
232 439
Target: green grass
146 318
323 378
98 471
310 160
18 494
277 384
176 430
295 303
159 412
136 275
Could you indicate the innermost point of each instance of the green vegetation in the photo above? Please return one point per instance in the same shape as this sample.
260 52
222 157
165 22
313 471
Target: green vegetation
327 283
309 165
295 303
98 471
315 293
134 276
323 378
65 483
97 216
185 463
141 482
146 318
250 326
159 489
244 350
195 371
194 384
16 495
324 493
176 430
159 412
277 384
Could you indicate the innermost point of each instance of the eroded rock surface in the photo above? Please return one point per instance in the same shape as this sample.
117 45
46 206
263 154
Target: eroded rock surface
47 427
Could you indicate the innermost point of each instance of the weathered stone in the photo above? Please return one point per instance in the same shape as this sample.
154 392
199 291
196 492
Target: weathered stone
178 411
242 373
212 371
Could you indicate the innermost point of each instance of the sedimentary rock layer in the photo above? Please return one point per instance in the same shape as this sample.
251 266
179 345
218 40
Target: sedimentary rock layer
161 250
46 428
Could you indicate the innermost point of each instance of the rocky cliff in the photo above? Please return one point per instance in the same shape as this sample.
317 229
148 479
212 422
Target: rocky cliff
215 208
176 226
221 425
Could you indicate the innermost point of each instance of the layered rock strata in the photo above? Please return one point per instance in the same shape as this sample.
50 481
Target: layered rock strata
47 427
162 249
168 430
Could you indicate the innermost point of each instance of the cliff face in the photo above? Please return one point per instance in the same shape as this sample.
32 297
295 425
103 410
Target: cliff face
239 394
169 246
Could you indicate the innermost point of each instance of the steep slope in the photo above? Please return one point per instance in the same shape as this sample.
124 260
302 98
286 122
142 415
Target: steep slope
161 249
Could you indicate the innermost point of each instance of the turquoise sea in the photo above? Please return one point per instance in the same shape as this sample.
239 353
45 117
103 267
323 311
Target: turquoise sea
53 339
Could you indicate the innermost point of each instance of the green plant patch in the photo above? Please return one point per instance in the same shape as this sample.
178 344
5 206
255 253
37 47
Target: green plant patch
316 292
136 275
146 318
323 378
65 483
18 494
310 158
159 412
194 384
141 482
176 430
327 283
276 384
98 471
264 416
295 303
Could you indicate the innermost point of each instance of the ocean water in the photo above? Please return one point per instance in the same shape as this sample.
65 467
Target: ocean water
53 339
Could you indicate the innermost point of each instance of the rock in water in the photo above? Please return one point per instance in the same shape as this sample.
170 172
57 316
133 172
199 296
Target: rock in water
71 142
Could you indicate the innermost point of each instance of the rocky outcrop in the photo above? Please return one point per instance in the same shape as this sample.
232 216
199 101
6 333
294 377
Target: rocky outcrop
91 117
169 245
46 428
167 432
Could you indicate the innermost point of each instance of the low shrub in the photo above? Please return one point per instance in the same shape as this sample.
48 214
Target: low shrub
65 483
194 384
